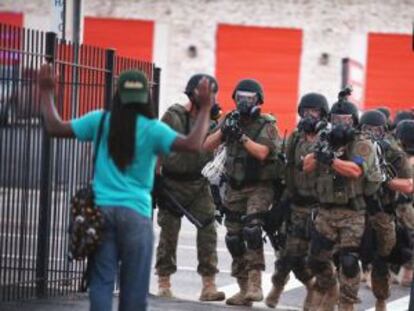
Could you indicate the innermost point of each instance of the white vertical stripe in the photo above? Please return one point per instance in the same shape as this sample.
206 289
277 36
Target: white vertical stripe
160 58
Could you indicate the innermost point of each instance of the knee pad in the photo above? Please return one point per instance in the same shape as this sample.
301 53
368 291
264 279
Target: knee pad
252 234
349 264
235 244
379 267
320 243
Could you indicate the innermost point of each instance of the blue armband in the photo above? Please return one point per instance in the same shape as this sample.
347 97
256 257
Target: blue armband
358 160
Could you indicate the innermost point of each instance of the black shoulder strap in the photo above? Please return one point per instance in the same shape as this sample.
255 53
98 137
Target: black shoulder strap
98 140
290 167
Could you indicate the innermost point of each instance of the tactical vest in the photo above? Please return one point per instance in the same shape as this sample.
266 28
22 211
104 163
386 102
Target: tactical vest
334 189
184 166
300 184
392 155
241 168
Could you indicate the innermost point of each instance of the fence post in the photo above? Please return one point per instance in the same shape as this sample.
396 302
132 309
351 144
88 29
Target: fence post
156 90
43 236
109 77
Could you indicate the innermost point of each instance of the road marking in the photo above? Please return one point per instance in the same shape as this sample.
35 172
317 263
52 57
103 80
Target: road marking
192 269
400 304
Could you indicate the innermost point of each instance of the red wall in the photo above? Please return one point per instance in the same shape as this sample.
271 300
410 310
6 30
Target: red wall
270 55
11 18
131 38
390 71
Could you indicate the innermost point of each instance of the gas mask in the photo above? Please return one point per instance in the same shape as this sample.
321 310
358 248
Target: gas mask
308 124
247 104
376 133
341 135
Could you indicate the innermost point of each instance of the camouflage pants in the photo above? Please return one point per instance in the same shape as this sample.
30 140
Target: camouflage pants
343 229
405 215
384 227
293 256
197 199
247 201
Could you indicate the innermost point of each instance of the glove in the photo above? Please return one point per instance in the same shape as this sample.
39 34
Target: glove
226 128
325 156
231 131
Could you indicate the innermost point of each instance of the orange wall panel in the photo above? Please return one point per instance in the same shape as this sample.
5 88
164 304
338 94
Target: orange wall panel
270 55
11 18
131 38
390 71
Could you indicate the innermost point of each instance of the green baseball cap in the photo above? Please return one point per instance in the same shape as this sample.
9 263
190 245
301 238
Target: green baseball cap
133 87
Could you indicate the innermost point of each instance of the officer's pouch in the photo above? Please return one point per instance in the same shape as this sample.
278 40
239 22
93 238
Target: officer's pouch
309 226
340 190
325 188
238 172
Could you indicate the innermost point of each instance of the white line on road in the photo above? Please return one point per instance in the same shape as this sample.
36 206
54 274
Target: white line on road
400 304
192 269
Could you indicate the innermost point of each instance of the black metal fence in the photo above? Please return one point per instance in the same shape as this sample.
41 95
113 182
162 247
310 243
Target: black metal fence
39 174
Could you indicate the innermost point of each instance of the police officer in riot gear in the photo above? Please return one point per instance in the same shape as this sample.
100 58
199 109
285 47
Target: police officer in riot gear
381 209
405 214
181 176
347 169
313 110
251 140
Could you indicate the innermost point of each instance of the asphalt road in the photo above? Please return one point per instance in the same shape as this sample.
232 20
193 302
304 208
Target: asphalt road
186 283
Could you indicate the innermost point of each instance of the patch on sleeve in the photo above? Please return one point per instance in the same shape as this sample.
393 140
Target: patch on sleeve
358 160
362 149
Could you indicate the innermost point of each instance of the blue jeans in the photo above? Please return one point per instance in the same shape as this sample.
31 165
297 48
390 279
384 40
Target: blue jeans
128 244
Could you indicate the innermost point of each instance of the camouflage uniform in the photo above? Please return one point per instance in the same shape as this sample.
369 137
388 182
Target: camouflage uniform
405 216
340 222
250 193
182 177
301 187
383 222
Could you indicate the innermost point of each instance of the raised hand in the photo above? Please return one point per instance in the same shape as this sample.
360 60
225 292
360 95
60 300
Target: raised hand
204 93
46 78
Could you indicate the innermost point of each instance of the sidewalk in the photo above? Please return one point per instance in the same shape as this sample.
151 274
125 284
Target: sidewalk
80 303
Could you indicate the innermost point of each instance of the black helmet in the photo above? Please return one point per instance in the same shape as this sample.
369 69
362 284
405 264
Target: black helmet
195 79
314 100
373 118
343 106
402 115
386 112
250 85
405 133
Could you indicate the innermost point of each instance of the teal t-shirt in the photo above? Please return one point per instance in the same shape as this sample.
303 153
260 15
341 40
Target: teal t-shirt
133 187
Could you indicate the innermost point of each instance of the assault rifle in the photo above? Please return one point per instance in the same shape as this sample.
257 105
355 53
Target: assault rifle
165 199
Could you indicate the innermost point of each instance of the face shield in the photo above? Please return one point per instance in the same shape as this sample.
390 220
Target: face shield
375 132
345 120
312 113
246 101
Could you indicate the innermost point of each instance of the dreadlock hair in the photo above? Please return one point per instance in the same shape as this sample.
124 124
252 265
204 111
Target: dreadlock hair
122 130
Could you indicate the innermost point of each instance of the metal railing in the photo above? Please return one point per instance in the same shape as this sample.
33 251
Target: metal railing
39 174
